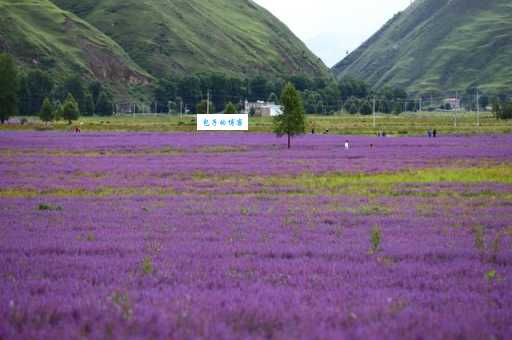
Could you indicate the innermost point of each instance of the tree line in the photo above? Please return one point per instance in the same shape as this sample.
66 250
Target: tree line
319 95
24 92
34 92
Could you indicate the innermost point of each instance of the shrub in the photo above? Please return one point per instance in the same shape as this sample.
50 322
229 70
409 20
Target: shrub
375 240
491 275
147 265
496 246
478 232
49 207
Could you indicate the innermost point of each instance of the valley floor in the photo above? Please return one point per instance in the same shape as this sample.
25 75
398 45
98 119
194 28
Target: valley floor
407 124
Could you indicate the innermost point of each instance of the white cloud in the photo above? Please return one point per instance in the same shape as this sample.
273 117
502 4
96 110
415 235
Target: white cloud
332 27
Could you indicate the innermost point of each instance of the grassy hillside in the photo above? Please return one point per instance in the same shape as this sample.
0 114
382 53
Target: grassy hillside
439 45
236 37
40 35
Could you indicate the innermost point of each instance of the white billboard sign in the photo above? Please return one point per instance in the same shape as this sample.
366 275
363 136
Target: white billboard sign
221 122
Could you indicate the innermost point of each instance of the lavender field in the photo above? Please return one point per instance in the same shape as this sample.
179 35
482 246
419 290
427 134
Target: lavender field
232 236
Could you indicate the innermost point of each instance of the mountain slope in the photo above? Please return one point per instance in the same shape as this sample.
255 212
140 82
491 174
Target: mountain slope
235 37
439 45
39 34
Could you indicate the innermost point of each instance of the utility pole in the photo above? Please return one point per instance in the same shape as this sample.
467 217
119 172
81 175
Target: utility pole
181 107
374 114
477 108
208 103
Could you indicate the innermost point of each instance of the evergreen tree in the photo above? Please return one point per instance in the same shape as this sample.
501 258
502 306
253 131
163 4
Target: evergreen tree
505 110
272 98
46 114
202 107
230 109
76 86
189 89
292 122
397 108
258 88
70 110
104 105
366 108
496 107
352 105
34 88
8 87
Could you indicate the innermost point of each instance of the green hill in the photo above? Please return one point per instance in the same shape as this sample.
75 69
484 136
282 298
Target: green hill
439 45
41 35
235 37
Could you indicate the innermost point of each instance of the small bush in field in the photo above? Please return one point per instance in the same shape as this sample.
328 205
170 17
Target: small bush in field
478 232
375 239
491 275
49 207
147 266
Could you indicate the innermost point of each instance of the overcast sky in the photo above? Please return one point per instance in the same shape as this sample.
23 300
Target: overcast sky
332 27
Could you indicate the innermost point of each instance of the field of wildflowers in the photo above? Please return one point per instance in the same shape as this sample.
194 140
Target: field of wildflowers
228 236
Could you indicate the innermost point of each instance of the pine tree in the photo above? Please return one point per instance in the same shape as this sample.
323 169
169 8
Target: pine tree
104 104
8 87
230 109
292 122
46 114
70 110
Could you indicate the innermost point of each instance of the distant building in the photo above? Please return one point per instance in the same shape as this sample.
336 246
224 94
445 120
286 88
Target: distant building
454 103
263 109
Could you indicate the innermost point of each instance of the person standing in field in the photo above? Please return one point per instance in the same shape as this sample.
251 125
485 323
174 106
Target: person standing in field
347 145
434 133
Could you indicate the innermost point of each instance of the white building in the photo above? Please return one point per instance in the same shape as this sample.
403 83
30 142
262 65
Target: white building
263 109
454 103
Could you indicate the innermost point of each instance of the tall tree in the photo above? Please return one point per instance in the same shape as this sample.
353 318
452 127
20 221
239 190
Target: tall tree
230 109
259 88
70 110
104 104
496 107
189 89
8 87
292 122
46 114
76 86
34 88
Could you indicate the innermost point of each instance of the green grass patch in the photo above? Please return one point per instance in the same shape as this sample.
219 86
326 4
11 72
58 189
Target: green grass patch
413 124
49 207
387 184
